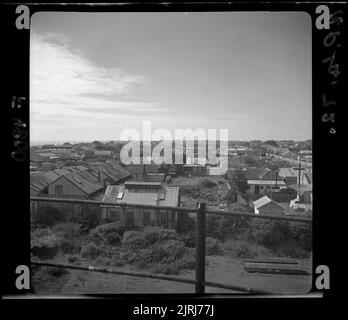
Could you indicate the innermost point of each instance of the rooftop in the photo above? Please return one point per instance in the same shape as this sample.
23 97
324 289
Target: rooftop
265 200
162 196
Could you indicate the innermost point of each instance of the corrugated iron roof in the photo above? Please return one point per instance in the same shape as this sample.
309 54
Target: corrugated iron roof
256 174
85 181
266 182
40 180
265 200
171 196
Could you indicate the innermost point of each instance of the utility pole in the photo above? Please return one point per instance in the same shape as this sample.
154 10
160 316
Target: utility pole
299 174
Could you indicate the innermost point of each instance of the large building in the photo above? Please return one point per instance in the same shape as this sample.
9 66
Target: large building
264 180
75 183
142 193
265 205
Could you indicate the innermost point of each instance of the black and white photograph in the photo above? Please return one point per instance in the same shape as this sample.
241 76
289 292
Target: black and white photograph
167 112
169 151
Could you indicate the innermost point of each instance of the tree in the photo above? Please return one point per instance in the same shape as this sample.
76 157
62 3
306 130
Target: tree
271 143
48 216
241 181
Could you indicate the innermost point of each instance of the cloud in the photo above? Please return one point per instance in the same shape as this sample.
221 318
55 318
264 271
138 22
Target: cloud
65 85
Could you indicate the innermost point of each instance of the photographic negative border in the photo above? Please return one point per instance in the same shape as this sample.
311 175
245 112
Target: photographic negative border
328 75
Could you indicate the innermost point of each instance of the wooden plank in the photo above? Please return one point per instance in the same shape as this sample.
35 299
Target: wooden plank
272 260
274 268
277 271
271 266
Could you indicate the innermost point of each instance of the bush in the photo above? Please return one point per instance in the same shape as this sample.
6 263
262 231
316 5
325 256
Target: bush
109 233
67 230
74 259
206 183
240 249
152 235
48 216
212 247
90 251
134 239
188 261
292 250
165 269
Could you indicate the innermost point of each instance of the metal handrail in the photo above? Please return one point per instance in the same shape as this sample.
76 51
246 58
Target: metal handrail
201 211
183 209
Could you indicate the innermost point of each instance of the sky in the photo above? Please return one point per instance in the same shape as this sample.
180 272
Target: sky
94 75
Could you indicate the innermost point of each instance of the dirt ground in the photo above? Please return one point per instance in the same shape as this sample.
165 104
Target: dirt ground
219 269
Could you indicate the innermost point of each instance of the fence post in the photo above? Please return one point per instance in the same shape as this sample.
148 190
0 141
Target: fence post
200 248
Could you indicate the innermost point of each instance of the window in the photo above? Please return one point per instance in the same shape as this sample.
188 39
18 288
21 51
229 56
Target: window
115 215
58 190
164 218
130 218
162 195
147 218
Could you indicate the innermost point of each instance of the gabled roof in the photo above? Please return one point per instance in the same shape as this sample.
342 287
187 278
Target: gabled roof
262 174
112 170
271 175
255 174
40 180
263 201
85 181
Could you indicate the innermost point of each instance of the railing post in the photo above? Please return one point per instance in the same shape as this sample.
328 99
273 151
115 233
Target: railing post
200 248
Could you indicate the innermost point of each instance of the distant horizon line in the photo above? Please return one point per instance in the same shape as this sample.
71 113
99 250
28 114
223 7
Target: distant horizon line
90 141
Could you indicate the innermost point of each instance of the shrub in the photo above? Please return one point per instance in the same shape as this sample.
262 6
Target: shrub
165 269
48 216
90 251
292 250
151 234
133 239
109 233
67 230
206 183
242 249
212 247
188 261
74 259
67 246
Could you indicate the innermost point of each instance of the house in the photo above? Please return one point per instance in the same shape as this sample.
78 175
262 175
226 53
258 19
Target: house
291 175
154 177
88 183
302 187
39 182
77 182
262 180
265 205
145 172
143 193
103 154
190 170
